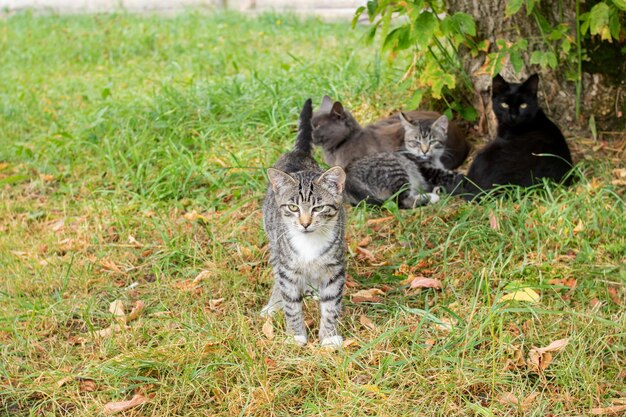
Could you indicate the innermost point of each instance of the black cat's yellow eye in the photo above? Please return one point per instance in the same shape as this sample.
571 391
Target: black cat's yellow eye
523 106
293 207
504 105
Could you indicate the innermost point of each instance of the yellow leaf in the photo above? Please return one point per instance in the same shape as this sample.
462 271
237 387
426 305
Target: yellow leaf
365 321
524 294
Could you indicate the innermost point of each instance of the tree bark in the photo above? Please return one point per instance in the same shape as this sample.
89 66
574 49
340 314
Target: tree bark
602 95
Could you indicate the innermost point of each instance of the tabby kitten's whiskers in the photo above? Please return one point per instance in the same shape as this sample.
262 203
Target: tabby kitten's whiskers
304 220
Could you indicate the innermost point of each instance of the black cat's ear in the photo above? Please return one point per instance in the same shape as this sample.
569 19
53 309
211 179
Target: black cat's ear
531 84
440 125
337 110
280 180
326 105
498 85
334 179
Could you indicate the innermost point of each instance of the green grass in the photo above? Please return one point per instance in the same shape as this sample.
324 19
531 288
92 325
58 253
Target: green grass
115 129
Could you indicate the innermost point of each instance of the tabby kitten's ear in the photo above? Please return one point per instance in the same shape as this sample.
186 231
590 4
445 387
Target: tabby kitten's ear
334 179
280 180
498 85
531 84
405 121
326 105
338 110
440 125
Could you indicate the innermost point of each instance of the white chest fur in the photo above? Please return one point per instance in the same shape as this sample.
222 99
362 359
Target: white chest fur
310 246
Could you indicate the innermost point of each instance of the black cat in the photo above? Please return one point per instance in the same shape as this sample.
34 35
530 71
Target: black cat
528 147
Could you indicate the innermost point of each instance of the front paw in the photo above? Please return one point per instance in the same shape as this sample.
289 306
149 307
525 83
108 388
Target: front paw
332 342
300 340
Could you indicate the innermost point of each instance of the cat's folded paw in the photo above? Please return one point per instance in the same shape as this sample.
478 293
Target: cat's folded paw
433 198
299 340
332 342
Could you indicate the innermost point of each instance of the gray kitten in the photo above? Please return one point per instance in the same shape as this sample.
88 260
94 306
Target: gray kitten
409 175
304 219
343 139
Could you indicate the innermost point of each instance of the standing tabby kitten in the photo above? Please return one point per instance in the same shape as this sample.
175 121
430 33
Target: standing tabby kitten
376 178
343 139
304 219
528 146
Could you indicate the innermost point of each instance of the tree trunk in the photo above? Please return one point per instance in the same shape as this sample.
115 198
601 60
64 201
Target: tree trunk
602 95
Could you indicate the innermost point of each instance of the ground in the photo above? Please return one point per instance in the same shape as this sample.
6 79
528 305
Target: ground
131 174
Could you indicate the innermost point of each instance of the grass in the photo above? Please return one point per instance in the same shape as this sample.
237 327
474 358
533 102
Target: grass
132 151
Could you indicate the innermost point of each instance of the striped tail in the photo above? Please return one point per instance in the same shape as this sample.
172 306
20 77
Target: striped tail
305 135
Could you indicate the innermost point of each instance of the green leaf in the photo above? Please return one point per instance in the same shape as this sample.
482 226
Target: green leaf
621 4
614 23
469 113
566 46
425 26
372 9
415 100
516 60
398 39
357 15
598 18
512 7
538 58
551 59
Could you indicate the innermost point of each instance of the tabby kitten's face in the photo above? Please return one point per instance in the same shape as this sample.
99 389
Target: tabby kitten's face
424 141
515 104
308 203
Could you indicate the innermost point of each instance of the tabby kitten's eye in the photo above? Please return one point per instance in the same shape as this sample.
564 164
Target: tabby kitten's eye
318 209
293 207
523 106
504 105
412 144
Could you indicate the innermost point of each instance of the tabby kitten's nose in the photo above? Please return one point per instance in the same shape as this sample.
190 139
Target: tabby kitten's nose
305 221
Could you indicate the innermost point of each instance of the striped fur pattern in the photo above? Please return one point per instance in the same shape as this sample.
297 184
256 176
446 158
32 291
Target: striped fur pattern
411 175
304 220
426 138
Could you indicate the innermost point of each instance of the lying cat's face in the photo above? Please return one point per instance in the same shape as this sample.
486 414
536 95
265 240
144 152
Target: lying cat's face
330 123
426 141
515 104
308 203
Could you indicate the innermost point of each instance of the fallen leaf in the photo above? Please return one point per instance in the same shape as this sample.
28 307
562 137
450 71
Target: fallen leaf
350 282
366 254
367 296
215 303
116 407
348 342
57 225
269 362
579 227
429 343
540 358
566 282
365 321
517 361
594 302
508 398
87 385
373 222
46 177
136 311
523 294
493 221
134 242
190 285
365 241
111 266
608 411
614 295
268 329
117 308
422 282
64 381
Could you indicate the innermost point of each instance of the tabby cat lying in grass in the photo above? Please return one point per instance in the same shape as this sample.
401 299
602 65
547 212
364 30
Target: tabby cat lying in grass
304 219
528 146
343 139
406 174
